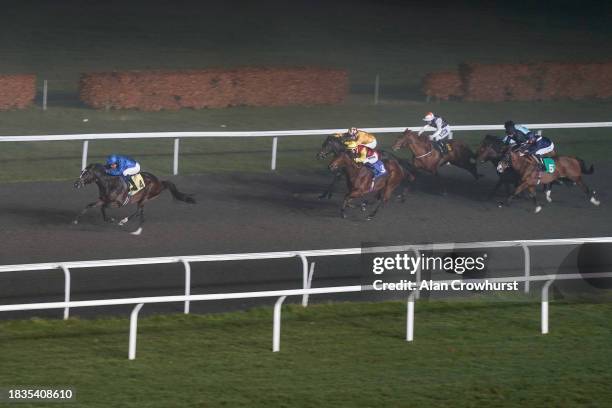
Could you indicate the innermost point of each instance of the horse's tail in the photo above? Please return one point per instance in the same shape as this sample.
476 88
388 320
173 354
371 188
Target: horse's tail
177 194
583 167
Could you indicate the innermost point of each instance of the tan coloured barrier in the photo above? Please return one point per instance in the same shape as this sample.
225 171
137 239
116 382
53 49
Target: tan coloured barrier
213 88
17 91
522 82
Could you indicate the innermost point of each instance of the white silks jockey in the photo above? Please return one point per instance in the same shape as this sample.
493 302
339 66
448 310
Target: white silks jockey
442 131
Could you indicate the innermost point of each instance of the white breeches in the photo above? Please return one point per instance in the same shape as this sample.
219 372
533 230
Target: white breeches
371 145
545 150
444 133
132 170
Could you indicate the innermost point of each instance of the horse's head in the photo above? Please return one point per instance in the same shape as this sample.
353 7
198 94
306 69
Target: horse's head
491 148
89 175
333 144
406 138
509 157
344 159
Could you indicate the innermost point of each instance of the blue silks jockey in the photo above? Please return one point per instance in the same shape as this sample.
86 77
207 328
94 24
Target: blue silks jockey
117 165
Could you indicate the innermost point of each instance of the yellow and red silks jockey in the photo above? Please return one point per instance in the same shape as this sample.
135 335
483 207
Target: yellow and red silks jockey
361 137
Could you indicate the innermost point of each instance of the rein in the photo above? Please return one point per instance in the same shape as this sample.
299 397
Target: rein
424 155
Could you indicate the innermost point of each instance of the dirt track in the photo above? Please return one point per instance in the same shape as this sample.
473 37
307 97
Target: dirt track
261 213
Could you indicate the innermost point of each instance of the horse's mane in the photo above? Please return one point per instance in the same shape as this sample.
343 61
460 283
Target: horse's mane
423 138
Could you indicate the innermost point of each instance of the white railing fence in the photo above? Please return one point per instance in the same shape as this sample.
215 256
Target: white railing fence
282 295
275 134
307 268
307 275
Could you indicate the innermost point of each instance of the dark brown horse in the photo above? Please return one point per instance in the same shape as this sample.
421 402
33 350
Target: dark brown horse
568 167
493 149
426 157
114 193
334 145
361 181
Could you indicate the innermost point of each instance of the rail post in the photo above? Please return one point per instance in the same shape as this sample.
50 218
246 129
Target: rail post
274 148
277 323
545 306
84 158
133 330
66 291
306 277
417 274
187 284
410 317
176 157
527 265
45 92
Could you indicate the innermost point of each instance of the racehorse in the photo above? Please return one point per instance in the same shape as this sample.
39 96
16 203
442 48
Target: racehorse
493 149
114 193
333 144
531 175
426 157
361 181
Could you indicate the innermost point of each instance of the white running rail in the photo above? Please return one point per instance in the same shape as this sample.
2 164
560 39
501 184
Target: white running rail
307 267
275 134
282 295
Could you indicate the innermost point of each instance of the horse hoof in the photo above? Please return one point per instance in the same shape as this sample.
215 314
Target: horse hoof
538 209
137 232
595 201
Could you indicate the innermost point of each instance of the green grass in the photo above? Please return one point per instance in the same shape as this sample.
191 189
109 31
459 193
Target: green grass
468 353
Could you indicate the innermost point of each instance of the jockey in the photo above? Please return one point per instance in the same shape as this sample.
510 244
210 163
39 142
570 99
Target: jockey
117 165
369 157
441 135
538 146
516 134
362 138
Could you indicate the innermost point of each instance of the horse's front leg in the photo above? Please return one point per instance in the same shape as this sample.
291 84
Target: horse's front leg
518 190
497 186
87 208
104 216
328 192
533 194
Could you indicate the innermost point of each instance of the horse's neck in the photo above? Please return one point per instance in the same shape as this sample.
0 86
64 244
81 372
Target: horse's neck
351 168
106 183
419 146
521 164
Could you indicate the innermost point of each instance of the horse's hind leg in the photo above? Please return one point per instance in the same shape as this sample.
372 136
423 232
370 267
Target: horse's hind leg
589 193
141 217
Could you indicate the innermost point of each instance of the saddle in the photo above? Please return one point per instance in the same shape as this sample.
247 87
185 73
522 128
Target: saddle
138 182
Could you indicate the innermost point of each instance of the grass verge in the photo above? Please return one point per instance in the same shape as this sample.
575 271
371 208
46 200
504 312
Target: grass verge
349 354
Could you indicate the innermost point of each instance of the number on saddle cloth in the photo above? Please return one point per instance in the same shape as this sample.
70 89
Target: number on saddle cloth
549 164
138 182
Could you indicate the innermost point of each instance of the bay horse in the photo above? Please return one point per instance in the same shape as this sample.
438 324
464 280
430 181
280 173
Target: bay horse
361 181
113 192
333 144
531 175
493 149
426 157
